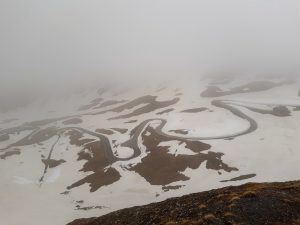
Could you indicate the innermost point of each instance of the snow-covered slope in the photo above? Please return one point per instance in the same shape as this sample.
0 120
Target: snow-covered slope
103 149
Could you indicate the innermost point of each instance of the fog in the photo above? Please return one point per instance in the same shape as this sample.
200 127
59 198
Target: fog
71 41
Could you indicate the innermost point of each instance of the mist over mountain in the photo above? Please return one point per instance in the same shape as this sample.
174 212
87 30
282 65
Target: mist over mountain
110 104
65 42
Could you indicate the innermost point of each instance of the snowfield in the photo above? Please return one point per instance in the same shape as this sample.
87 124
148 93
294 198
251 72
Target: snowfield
102 150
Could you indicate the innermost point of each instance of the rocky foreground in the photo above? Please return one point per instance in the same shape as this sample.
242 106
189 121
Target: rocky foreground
252 203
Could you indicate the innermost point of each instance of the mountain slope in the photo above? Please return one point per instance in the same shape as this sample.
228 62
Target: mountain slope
252 203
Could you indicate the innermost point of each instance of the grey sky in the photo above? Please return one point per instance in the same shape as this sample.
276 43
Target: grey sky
42 40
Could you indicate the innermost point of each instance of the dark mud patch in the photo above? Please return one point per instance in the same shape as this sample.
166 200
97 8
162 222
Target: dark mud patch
180 131
168 167
86 208
104 131
150 104
98 179
242 177
170 187
98 157
37 137
109 103
280 111
4 137
165 111
76 138
10 153
229 138
131 121
39 123
95 154
65 193
120 130
72 121
256 86
195 110
51 163
17 130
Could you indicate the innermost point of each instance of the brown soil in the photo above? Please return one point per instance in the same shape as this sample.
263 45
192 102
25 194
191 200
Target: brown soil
98 179
249 204
120 130
51 163
4 137
37 137
164 111
180 131
131 121
72 121
109 103
280 111
97 160
242 177
170 187
215 91
160 167
104 131
195 110
151 104
10 153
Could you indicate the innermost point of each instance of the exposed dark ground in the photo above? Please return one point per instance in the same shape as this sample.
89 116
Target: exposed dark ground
249 204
